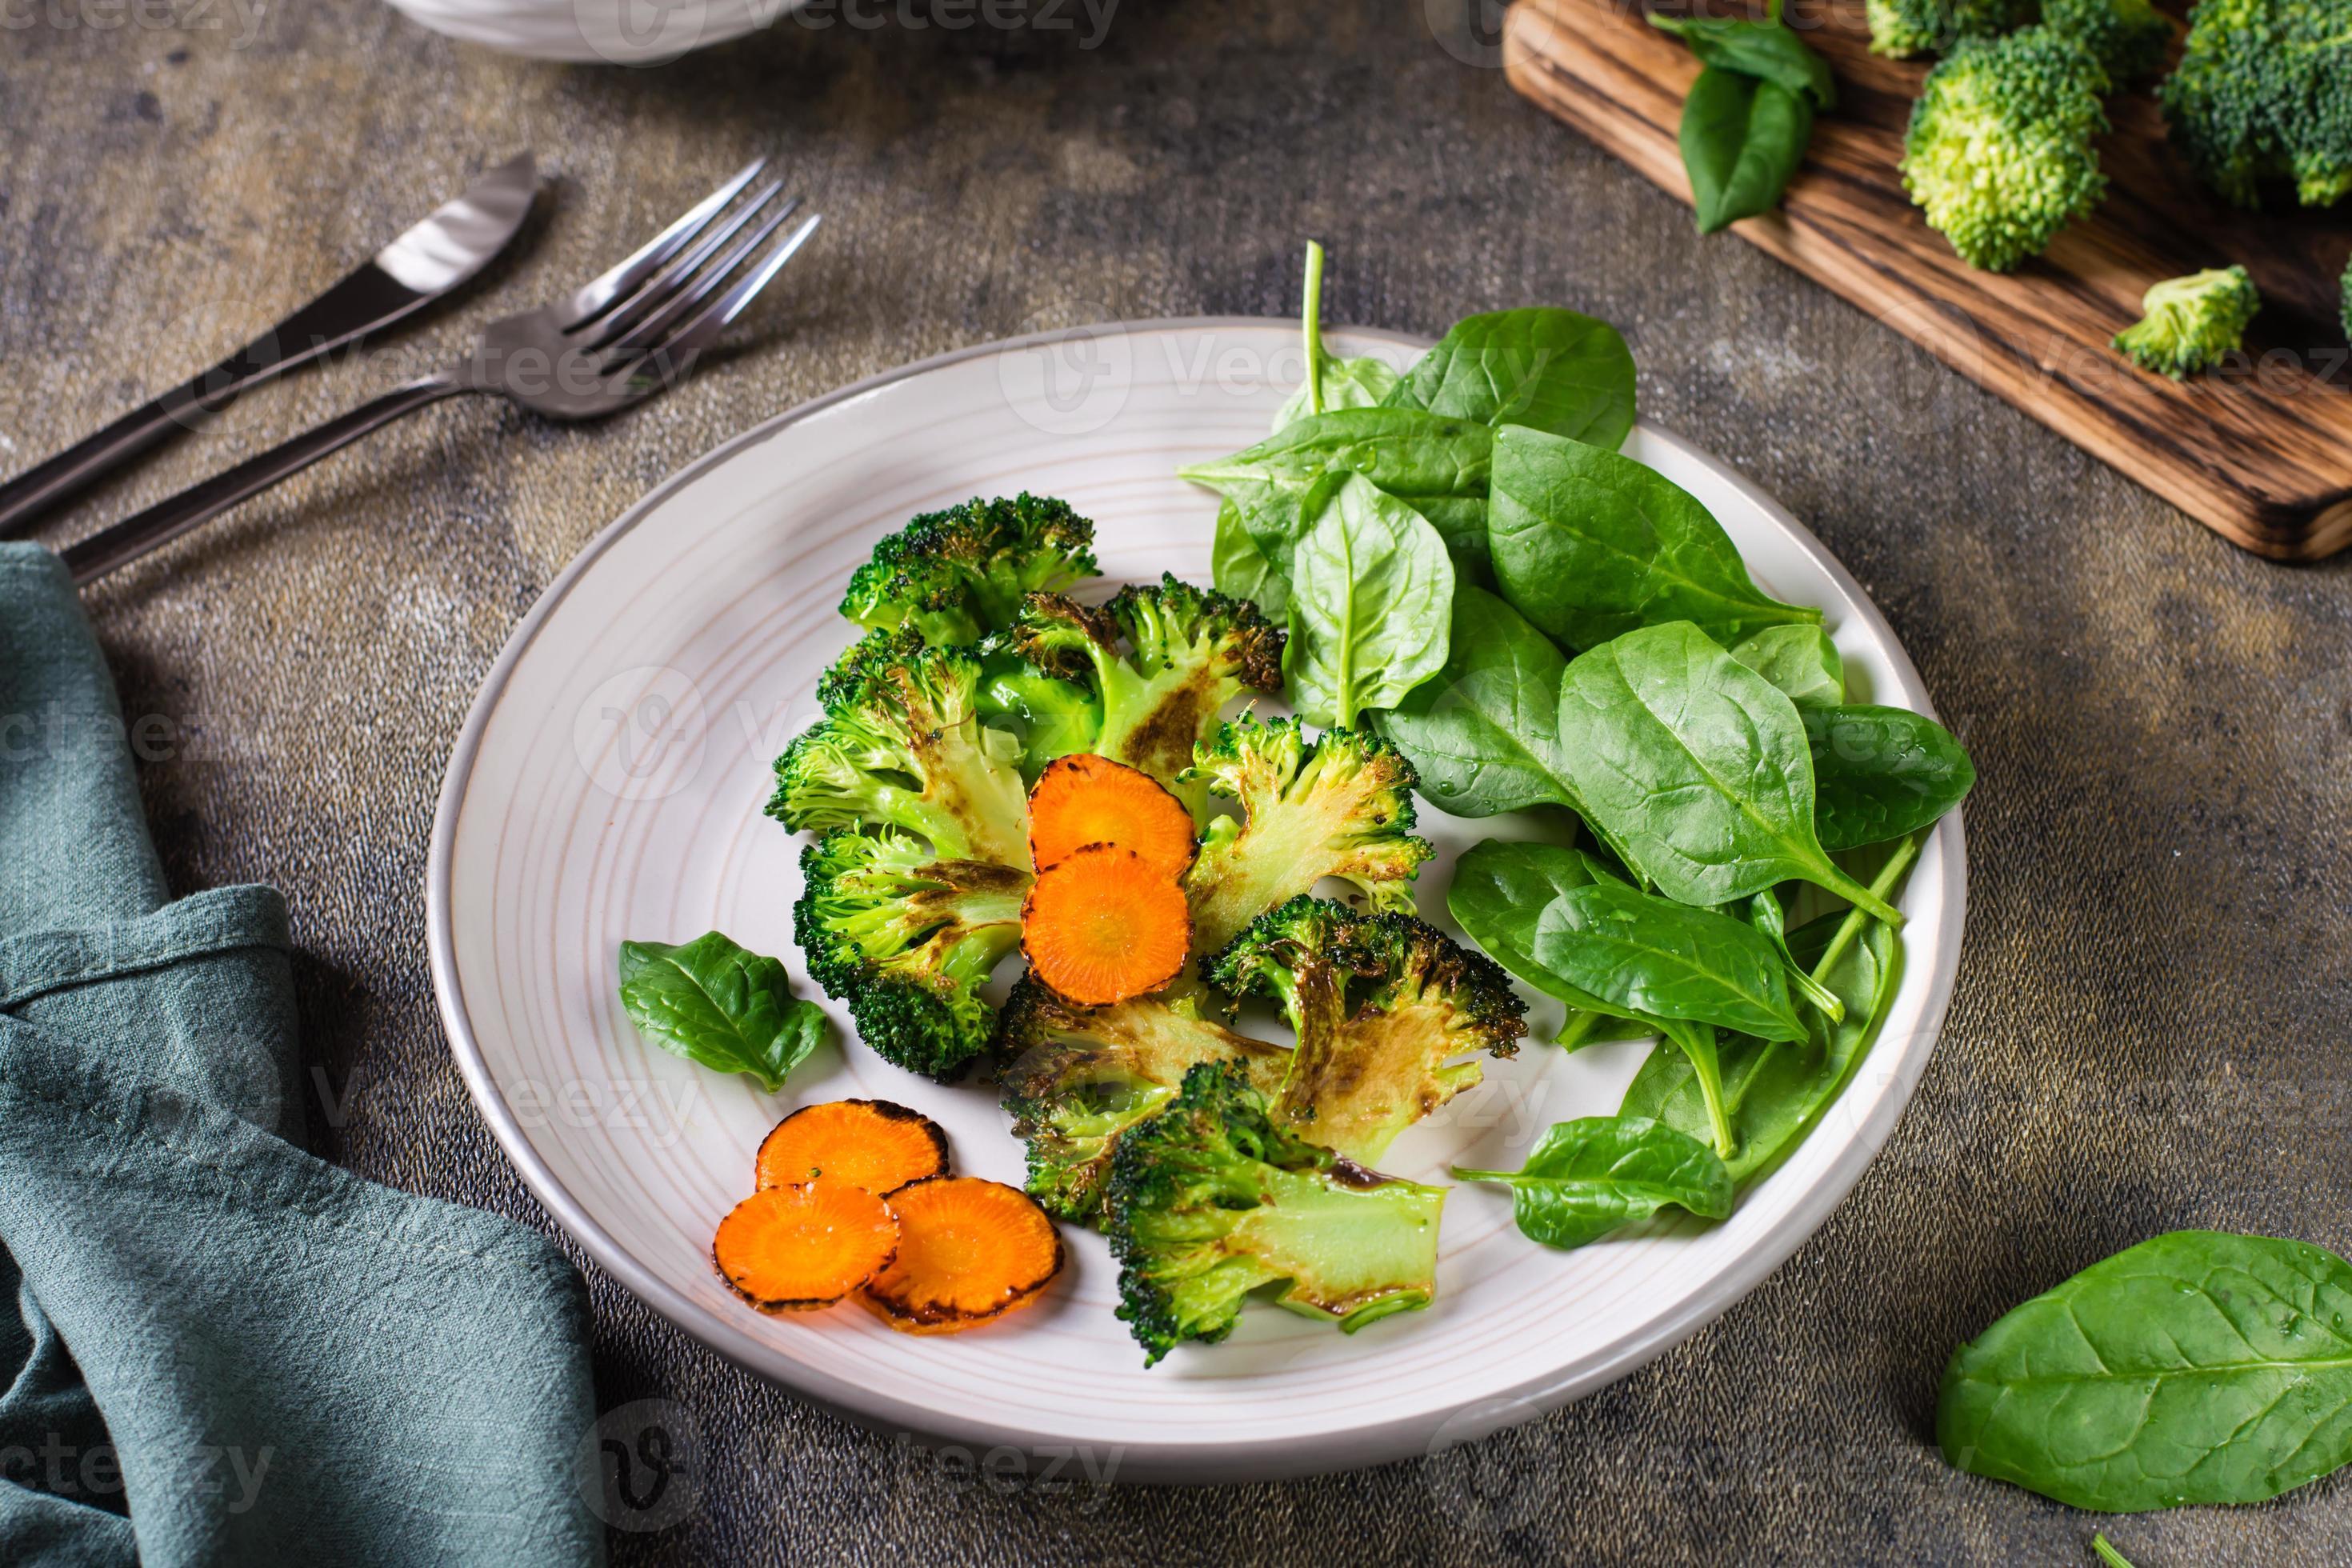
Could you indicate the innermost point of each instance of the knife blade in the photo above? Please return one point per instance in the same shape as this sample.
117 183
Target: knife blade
427 261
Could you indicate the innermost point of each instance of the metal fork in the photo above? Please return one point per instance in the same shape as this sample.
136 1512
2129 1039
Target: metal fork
614 343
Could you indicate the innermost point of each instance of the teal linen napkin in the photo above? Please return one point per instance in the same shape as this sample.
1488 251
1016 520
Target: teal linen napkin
219 1349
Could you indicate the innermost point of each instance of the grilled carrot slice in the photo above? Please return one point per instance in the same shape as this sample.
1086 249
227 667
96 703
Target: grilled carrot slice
969 1251
1103 925
1083 799
796 1249
869 1143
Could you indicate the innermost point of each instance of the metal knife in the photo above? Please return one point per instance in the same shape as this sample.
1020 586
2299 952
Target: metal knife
423 264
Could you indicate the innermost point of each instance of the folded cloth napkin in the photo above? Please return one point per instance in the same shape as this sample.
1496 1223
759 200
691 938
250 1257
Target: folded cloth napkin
222 1350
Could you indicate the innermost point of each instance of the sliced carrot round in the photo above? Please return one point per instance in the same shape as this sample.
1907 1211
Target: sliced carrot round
970 1251
1083 799
869 1143
799 1248
1101 926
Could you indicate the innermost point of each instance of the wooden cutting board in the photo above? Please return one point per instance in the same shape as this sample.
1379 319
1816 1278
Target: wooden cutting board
2263 452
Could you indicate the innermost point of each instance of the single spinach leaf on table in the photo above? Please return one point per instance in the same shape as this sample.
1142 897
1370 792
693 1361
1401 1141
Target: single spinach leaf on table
1774 1092
1801 660
1544 368
1768 50
1880 773
714 1002
1588 544
1698 770
1588 1178
1743 139
1370 606
1484 732
1435 465
1241 570
2197 1367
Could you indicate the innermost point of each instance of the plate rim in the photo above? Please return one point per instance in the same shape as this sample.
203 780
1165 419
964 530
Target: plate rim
1185 1462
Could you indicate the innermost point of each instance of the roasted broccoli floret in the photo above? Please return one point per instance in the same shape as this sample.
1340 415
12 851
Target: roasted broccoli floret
1340 805
2264 93
958 574
907 941
2000 155
1384 1007
901 745
2127 38
1189 651
1211 1199
1905 28
1044 715
1075 1078
2191 323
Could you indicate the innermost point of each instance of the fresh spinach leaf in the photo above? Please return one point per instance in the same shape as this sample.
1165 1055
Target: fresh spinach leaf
1642 953
1768 51
1588 1178
1483 733
2107 1553
1743 139
1775 1094
1801 660
1771 922
1500 892
714 1002
1698 770
2197 1367
1331 383
1544 368
1437 465
1880 773
1371 608
1588 544
1241 570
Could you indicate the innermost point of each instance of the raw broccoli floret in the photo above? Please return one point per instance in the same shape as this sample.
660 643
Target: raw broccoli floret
2264 93
907 941
1044 715
901 745
1211 1199
1905 28
1075 1078
2191 323
1340 805
2000 155
1385 1008
1188 652
2127 37
958 574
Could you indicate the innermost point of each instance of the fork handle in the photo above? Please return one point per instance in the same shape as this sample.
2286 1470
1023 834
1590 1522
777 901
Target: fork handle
136 535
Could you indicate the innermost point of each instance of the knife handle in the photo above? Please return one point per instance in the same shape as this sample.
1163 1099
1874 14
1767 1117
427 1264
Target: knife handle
25 498
136 535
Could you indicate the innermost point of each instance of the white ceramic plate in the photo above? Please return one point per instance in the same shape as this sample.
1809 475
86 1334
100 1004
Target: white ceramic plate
608 785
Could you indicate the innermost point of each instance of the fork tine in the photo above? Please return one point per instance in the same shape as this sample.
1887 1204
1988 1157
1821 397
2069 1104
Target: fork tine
662 325
591 299
681 346
665 285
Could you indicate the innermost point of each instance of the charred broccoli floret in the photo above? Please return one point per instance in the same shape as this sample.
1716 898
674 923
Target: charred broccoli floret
1045 715
2191 323
1075 1078
907 941
1385 1008
1340 805
2264 93
958 574
2001 155
1211 1199
2127 37
1189 651
901 745
1905 28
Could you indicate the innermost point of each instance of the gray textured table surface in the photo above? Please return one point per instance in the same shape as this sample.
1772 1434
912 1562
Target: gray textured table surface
2155 994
